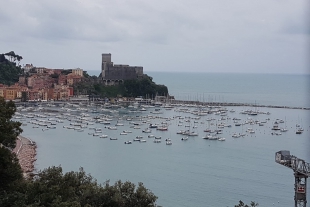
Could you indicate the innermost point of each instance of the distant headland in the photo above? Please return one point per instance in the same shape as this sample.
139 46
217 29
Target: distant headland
33 83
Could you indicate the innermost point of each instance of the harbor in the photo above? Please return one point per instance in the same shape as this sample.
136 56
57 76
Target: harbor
170 134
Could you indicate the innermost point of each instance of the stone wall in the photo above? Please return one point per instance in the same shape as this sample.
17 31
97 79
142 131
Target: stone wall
116 73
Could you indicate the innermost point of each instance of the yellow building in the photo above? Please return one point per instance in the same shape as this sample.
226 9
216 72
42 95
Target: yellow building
78 71
10 93
2 92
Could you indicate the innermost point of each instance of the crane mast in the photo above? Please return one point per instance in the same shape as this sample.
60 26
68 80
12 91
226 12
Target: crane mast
301 173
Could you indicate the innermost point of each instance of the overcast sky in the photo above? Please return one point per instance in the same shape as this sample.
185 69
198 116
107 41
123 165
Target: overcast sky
255 36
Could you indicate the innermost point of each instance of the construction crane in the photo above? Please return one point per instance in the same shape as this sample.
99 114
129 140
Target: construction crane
301 172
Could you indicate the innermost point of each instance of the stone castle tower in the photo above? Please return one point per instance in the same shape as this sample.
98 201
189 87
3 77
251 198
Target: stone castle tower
113 74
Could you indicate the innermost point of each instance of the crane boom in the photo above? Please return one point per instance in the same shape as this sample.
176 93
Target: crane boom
296 164
301 172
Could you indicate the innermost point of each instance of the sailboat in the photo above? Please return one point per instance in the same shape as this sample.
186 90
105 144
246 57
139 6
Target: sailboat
284 129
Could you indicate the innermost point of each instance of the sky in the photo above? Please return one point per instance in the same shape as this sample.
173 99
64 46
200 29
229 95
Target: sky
225 36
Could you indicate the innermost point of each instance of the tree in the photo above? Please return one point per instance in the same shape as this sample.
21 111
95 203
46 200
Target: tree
9 71
9 130
143 86
10 170
13 57
53 188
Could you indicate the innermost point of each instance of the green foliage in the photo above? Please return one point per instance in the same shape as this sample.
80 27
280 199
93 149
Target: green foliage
13 57
92 85
66 72
10 170
9 130
108 91
241 204
53 188
85 74
9 71
143 87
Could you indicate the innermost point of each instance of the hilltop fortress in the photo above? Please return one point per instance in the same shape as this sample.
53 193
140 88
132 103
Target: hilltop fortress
114 74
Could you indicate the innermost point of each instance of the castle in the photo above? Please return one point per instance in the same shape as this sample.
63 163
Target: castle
113 74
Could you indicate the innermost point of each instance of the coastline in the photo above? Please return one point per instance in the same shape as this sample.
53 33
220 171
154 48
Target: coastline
25 151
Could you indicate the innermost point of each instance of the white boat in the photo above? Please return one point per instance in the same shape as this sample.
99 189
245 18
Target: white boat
193 134
184 138
221 139
104 136
142 140
236 135
162 128
123 133
213 138
113 138
168 143
147 130
151 136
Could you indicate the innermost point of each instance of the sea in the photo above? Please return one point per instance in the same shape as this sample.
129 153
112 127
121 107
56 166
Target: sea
193 172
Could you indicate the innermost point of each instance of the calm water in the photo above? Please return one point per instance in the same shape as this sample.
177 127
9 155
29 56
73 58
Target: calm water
263 89
196 172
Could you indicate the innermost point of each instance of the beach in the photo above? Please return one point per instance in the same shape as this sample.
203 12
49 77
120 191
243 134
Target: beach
26 152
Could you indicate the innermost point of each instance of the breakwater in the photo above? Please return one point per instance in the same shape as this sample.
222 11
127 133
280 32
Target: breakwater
199 103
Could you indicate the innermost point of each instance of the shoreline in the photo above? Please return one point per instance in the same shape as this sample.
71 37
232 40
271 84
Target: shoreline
25 151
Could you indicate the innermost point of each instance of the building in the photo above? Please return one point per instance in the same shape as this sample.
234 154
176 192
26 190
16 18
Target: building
113 74
73 78
77 71
27 67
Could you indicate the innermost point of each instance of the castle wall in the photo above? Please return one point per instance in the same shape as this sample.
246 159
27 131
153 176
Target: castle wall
118 72
123 72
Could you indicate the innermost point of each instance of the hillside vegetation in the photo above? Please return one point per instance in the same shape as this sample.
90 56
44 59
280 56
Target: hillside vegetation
10 68
145 87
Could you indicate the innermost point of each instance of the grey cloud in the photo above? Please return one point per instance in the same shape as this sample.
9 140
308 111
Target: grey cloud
217 34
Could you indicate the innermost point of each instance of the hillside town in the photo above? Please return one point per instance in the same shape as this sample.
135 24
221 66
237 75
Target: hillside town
42 84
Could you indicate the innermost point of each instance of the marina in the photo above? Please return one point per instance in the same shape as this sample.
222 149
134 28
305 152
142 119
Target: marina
210 131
